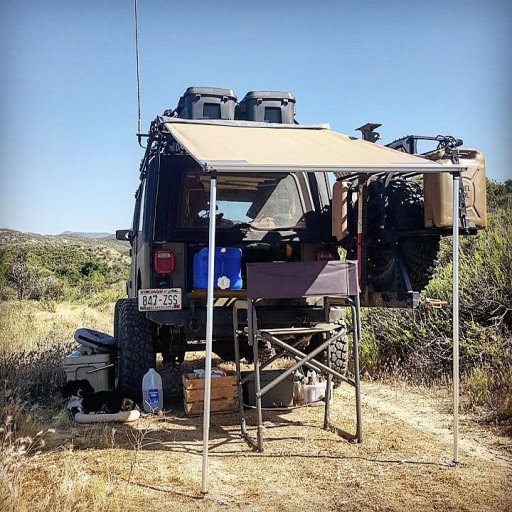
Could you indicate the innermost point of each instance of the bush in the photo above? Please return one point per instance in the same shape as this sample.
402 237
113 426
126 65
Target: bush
48 288
58 270
419 342
20 275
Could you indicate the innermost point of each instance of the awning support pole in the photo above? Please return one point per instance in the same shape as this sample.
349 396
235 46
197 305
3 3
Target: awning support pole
209 331
455 269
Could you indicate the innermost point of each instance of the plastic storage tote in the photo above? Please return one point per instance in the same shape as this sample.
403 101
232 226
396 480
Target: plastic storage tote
207 103
279 396
268 107
227 272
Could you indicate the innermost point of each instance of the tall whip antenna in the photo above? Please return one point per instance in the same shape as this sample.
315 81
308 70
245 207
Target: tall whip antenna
139 120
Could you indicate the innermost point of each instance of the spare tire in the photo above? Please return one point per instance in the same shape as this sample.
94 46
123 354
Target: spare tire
419 254
403 213
404 205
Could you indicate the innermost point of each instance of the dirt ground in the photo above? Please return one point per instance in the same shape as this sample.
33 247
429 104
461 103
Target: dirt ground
402 464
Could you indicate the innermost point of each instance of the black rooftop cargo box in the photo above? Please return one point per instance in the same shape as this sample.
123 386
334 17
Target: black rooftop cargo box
207 103
268 107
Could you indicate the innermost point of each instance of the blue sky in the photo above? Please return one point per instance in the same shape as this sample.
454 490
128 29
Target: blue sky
68 155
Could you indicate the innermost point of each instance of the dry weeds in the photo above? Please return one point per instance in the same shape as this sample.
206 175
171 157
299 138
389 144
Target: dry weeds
156 463
49 463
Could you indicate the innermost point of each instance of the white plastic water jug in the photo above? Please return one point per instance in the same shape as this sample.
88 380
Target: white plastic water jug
152 393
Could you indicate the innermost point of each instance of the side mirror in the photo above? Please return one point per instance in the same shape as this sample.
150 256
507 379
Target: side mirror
125 235
339 210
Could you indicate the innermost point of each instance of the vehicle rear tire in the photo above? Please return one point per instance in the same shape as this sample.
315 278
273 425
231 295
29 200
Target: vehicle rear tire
265 350
339 355
136 349
117 312
225 349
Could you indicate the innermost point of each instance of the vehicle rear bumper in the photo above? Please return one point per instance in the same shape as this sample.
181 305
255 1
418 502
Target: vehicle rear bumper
193 320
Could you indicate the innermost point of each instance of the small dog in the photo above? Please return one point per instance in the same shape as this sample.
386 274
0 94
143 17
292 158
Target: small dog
80 397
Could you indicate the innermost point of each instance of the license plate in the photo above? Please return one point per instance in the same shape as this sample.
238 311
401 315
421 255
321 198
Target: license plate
160 299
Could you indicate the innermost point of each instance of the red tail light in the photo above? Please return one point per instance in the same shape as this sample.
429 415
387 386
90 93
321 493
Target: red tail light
325 256
163 262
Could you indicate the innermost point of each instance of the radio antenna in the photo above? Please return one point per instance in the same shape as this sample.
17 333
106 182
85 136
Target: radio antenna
139 120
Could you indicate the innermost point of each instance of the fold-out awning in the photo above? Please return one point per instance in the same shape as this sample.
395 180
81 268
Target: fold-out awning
240 146
235 147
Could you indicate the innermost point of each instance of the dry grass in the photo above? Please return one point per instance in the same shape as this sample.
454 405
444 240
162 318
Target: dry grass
24 324
49 463
33 341
156 464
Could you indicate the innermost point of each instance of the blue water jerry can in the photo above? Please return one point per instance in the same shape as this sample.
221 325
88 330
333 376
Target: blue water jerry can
227 272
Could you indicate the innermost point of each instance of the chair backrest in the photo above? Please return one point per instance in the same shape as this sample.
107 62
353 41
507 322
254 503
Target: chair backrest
294 280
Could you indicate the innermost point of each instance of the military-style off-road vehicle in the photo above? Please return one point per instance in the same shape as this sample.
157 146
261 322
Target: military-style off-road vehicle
274 217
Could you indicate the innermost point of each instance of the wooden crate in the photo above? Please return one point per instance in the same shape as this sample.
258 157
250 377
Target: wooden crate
223 394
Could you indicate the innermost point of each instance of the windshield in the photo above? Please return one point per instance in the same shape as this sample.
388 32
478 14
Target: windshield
265 202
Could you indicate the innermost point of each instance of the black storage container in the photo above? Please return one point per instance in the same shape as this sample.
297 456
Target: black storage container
279 396
268 107
207 103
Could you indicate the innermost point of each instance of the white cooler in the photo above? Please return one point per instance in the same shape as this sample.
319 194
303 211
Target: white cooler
90 367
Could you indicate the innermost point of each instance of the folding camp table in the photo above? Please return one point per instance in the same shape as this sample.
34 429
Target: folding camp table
337 283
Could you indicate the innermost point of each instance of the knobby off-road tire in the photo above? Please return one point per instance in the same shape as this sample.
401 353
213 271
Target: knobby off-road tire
420 254
117 314
339 355
265 351
403 212
136 354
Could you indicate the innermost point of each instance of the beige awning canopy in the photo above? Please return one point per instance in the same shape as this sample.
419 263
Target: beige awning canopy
238 146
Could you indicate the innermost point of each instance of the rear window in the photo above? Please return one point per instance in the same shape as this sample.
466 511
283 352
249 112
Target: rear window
265 202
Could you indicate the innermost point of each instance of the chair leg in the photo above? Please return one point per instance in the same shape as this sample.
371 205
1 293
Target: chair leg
327 418
256 362
243 427
357 336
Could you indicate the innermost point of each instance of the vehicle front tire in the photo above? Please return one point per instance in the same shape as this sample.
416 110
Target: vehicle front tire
136 349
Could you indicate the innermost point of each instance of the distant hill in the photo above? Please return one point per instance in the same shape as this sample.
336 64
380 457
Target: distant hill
13 237
85 234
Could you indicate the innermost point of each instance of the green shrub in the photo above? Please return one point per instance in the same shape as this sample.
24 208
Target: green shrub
419 342
477 385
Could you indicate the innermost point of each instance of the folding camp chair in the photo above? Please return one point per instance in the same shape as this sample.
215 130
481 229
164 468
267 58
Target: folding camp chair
337 283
